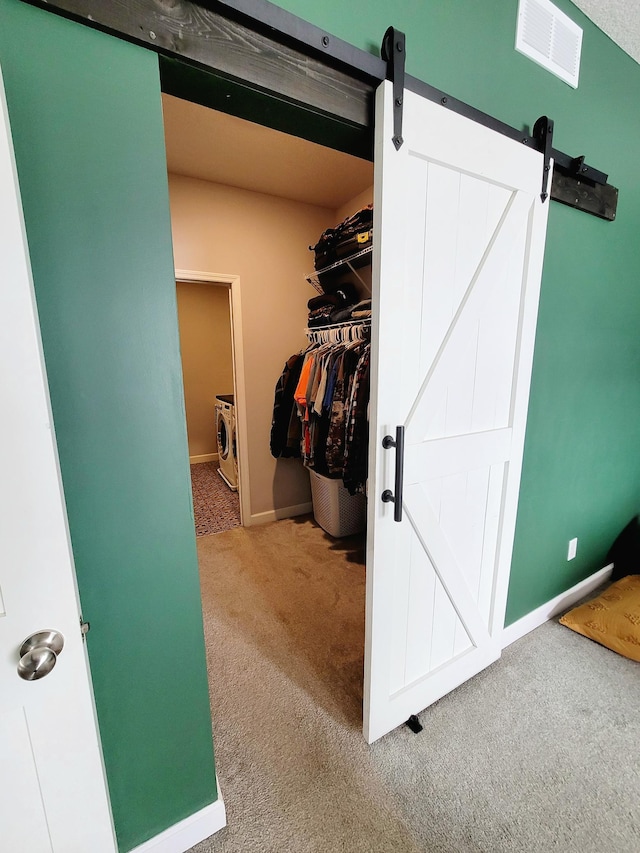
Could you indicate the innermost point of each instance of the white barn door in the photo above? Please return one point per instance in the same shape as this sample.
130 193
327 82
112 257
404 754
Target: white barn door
52 788
460 231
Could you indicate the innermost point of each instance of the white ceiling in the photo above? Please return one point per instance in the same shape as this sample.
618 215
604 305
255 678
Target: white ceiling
619 19
203 143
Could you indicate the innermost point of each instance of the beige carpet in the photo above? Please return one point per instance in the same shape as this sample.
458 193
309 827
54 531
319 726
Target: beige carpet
538 753
297 596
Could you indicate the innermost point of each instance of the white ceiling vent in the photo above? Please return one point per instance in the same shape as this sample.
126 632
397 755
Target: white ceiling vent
550 38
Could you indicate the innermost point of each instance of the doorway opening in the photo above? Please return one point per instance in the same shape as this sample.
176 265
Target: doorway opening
283 599
210 325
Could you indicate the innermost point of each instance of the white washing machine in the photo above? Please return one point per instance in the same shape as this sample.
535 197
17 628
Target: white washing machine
226 435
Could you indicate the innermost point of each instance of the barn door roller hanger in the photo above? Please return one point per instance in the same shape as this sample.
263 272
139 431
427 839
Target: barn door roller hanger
393 53
543 133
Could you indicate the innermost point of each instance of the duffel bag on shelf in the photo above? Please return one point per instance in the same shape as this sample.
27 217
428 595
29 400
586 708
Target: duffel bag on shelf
347 238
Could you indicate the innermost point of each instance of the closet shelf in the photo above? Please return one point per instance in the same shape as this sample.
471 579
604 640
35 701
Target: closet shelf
314 277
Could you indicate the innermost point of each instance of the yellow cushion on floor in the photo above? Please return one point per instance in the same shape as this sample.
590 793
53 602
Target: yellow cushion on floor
612 619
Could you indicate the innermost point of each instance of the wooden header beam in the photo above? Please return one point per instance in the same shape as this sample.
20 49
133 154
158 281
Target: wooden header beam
213 42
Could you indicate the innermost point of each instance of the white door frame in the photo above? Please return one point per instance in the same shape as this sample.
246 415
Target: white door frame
239 386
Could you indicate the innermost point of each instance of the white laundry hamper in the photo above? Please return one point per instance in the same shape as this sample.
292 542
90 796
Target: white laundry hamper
335 510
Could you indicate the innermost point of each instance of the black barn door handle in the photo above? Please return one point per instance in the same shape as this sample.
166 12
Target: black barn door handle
395 497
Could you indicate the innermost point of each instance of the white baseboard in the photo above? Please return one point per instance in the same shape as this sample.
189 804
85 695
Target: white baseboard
204 457
278 514
552 608
183 835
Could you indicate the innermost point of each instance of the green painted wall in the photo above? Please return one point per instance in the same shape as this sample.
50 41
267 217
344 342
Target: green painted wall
581 473
86 118
85 114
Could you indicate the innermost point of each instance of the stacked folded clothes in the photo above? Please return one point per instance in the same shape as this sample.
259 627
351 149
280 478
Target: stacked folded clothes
324 309
320 316
329 314
362 310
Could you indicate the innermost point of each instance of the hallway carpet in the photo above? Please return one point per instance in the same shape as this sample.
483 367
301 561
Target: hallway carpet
538 753
215 506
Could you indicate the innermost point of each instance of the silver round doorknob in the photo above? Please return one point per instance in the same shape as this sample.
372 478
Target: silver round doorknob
50 639
37 663
39 653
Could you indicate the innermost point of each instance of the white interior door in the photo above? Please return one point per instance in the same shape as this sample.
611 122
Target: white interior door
52 788
460 231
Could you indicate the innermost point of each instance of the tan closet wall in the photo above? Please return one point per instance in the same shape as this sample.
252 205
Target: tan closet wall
264 240
207 366
355 204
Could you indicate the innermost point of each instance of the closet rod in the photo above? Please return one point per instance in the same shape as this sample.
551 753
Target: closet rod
320 334
347 324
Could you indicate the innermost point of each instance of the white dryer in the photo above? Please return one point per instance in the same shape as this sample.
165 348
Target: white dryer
226 436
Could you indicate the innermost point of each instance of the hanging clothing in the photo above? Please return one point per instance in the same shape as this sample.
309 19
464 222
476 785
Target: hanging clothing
326 413
339 412
285 431
357 430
